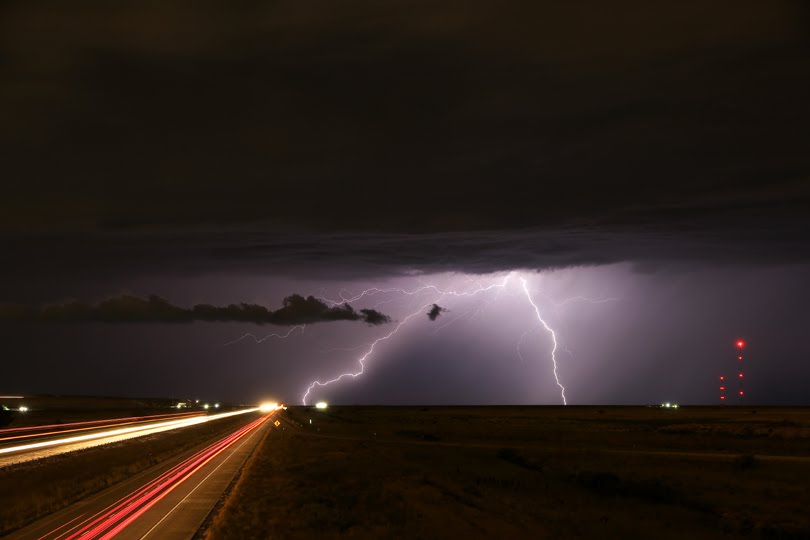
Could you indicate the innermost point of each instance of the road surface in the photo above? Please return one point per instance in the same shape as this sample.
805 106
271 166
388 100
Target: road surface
169 501
21 446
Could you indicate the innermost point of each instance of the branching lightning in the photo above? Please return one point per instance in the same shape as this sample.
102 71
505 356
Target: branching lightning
435 294
499 286
422 309
301 327
362 359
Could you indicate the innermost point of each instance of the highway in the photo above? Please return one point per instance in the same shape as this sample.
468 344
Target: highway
170 500
19 433
25 444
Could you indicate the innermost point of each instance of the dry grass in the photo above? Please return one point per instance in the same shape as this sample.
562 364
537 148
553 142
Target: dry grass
518 471
34 489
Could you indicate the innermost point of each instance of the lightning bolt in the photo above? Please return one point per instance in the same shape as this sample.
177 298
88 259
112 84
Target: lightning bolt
362 359
585 299
301 327
550 331
500 286
451 321
438 294
519 343
377 290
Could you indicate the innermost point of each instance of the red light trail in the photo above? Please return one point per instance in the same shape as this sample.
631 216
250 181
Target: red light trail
116 517
66 444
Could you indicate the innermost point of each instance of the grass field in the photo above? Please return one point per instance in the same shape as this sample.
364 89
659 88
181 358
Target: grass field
539 472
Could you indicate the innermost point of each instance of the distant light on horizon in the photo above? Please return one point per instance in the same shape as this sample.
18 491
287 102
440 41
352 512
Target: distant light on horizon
268 407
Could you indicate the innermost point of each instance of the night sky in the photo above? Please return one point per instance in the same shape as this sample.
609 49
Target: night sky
643 168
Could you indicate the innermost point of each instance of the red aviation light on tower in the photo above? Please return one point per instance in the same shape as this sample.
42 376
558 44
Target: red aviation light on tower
740 344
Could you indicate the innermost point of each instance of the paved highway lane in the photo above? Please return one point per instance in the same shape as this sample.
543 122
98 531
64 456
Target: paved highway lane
17 451
170 500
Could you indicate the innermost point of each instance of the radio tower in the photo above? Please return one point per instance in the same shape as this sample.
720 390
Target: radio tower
722 389
740 344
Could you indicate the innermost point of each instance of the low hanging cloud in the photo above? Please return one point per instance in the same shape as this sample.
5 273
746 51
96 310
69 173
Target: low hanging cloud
296 309
435 311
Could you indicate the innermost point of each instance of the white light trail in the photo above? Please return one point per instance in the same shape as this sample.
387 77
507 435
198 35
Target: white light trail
150 428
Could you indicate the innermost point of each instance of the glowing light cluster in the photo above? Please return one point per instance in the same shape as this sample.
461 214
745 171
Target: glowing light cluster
268 406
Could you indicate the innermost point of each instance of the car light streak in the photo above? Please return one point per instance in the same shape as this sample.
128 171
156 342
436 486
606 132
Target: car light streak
62 526
60 432
151 428
117 516
91 422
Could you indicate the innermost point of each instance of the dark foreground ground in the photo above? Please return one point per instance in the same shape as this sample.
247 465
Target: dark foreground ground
518 472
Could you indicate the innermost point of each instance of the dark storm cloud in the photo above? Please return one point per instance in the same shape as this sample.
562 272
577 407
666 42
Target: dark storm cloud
435 311
372 316
178 146
365 138
123 309
114 258
114 261
400 116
